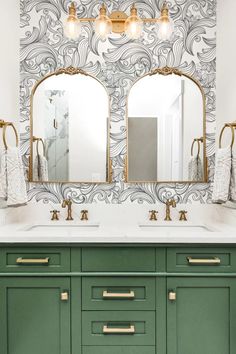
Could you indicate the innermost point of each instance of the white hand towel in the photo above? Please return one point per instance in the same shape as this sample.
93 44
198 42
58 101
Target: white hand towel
222 175
233 178
16 186
40 169
195 169
3 179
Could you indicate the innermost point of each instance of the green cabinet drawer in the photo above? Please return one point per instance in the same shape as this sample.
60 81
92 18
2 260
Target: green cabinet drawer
118 259
212 260
120 293
118 350
118 328
34 259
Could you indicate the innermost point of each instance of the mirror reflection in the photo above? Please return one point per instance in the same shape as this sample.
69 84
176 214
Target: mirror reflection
166 129
69 126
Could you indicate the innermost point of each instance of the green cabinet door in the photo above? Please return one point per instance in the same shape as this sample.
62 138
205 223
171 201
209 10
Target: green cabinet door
34 318
202 319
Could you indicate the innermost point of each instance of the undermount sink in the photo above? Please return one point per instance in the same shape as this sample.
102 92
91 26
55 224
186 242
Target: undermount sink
64 227
175 228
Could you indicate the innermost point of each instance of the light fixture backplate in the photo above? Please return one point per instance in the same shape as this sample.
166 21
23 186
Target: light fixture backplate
118 19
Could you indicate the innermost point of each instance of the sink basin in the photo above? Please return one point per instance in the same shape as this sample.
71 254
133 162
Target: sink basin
167 228
63 227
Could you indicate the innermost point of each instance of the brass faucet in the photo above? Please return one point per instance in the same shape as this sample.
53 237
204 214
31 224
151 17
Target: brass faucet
153 215
68 203
84 215
182 215
55 216
169 203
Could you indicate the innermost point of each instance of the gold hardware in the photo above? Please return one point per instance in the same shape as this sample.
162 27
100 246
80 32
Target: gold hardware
232 126
39 140
182 215
110 172
55 215
126 168
198 141
153 215
110 330
129 295
68 203
118 18
21 260
84 215
166 71
172 296
5 125
169 203
199 261
70 70
65 296
72 9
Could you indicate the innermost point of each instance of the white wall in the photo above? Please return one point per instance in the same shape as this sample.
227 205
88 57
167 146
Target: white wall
226 63
9 59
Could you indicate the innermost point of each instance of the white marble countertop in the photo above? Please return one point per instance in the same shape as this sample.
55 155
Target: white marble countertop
115 224
78 233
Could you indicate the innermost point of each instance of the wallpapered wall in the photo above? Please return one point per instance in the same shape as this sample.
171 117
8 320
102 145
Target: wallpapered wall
117 62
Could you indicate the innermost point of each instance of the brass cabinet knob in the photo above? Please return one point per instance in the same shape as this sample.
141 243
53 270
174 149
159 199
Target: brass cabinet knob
55 215
64 296
172 296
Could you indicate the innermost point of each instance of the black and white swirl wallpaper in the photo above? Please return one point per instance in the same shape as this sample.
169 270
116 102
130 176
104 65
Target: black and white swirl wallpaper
117 62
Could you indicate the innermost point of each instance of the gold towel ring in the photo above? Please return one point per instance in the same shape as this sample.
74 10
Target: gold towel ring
39 140
198 147
4 134
231 126
198 141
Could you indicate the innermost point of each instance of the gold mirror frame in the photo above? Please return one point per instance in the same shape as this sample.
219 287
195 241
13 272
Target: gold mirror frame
69 71
166 71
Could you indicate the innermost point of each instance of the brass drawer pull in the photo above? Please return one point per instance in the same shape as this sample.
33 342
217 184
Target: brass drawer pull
21 260
110 330
198 261
107 295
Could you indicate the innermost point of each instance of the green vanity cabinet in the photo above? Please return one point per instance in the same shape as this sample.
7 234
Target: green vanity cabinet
118 299
202 318
34 318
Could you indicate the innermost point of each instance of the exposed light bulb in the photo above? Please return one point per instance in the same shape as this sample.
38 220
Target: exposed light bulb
72 26
165 27
103 24
133 25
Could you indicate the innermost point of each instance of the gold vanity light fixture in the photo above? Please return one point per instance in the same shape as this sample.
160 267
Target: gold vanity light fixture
119 22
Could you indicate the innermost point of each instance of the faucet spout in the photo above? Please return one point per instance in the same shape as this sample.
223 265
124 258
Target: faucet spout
169 203
68 203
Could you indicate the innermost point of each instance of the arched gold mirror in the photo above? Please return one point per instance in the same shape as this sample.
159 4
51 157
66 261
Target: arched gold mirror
70 129
166 122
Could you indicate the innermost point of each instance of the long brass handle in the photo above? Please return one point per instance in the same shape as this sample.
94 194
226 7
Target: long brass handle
21 260
199 261
107 295
110 330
